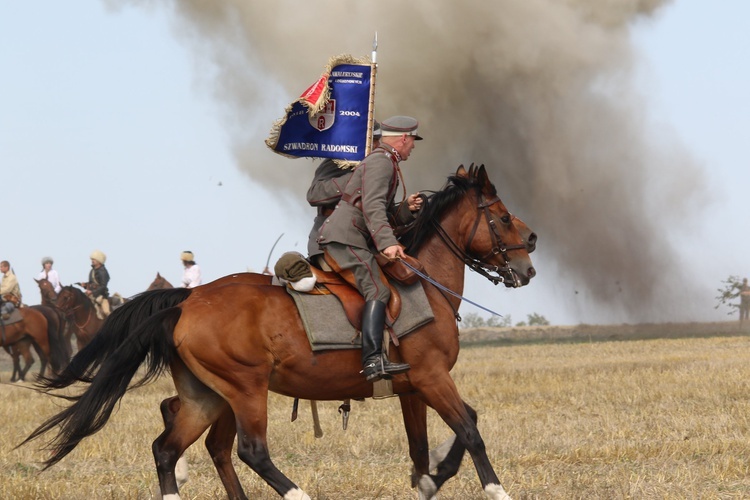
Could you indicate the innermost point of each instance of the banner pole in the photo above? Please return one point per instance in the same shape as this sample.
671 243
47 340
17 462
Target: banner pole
371 104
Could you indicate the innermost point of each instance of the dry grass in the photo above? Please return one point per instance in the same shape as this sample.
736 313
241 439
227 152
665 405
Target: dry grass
643 419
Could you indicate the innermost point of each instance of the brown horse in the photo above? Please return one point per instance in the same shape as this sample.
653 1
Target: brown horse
81 313
21 349
44 336
229 342
159 283
222 433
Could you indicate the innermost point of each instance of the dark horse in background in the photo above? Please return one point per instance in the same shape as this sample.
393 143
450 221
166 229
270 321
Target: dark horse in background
80 311
229 342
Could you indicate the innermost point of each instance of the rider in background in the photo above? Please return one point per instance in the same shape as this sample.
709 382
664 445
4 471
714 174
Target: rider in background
360 226
10 292
324 193
50 274
96 286
191 276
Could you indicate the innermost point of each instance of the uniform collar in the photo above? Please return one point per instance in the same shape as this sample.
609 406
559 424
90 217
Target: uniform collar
390 151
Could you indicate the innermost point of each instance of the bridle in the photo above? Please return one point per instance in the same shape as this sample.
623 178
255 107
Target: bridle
501 273
71 313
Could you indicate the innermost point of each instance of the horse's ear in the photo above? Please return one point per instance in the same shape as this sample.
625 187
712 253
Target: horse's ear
158 275
482 178
38 281
461 171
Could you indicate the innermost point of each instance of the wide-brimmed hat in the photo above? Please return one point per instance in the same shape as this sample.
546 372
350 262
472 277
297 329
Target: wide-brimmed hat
400 125
187 255
98 256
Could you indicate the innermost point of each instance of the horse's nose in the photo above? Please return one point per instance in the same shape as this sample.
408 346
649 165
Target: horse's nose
531 272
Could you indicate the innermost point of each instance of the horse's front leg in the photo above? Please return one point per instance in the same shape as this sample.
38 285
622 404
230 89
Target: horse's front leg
415 423
445 460
440 393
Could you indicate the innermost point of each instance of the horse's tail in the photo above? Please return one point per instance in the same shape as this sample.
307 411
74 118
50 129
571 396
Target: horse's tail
140 328
116 330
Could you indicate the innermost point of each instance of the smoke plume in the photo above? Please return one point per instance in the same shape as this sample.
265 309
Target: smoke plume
540 91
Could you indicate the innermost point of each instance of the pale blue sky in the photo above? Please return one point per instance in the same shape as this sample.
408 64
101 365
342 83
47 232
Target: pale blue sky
110 139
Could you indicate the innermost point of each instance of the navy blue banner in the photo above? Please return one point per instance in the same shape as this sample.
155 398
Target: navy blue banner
340 129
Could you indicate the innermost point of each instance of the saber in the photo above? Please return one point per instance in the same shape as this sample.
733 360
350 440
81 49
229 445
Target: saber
446 289
268 260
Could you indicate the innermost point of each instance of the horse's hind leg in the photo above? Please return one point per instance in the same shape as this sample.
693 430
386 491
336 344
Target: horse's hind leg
23 349
218 442
252 424
185 419
219 446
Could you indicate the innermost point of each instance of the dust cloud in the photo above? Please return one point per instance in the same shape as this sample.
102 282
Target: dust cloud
541 91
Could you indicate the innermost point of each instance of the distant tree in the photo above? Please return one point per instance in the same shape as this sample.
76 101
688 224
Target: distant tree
472 320
533 319
729 292
537 319
499 321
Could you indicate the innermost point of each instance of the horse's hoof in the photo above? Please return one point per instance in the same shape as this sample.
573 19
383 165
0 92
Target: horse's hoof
496 492
426 488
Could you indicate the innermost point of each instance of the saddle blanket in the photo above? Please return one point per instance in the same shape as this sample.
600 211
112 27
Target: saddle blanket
328 328
15 317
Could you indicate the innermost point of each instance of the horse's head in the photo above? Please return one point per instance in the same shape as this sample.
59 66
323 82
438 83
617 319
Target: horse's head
47 290
493 242
159 283
68 299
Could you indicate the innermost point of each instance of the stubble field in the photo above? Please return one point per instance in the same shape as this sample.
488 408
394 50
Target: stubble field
663 418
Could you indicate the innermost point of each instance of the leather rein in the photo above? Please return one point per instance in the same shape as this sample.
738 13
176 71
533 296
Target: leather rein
498 247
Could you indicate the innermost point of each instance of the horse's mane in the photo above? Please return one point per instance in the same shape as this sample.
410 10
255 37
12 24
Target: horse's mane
434 205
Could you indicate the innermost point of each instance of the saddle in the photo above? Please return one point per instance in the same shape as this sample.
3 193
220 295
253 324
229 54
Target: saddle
350 298
341 284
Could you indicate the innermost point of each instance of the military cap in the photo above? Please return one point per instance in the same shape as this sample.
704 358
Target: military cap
400 125
377 133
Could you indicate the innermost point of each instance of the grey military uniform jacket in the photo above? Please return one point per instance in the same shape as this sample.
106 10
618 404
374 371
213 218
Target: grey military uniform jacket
361 218
324 193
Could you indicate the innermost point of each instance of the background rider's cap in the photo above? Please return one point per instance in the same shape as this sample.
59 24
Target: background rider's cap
98 255
187 255
47 259
400 125
377 132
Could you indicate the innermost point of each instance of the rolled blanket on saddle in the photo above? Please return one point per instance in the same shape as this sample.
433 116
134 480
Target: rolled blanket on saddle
293 268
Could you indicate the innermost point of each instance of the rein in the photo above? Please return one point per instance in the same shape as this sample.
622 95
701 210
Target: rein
446 289
72 315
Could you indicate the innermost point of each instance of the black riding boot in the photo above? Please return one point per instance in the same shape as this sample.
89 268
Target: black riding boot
375 364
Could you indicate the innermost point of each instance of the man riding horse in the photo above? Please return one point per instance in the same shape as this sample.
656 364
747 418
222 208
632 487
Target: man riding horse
96 286
360 226
10 292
